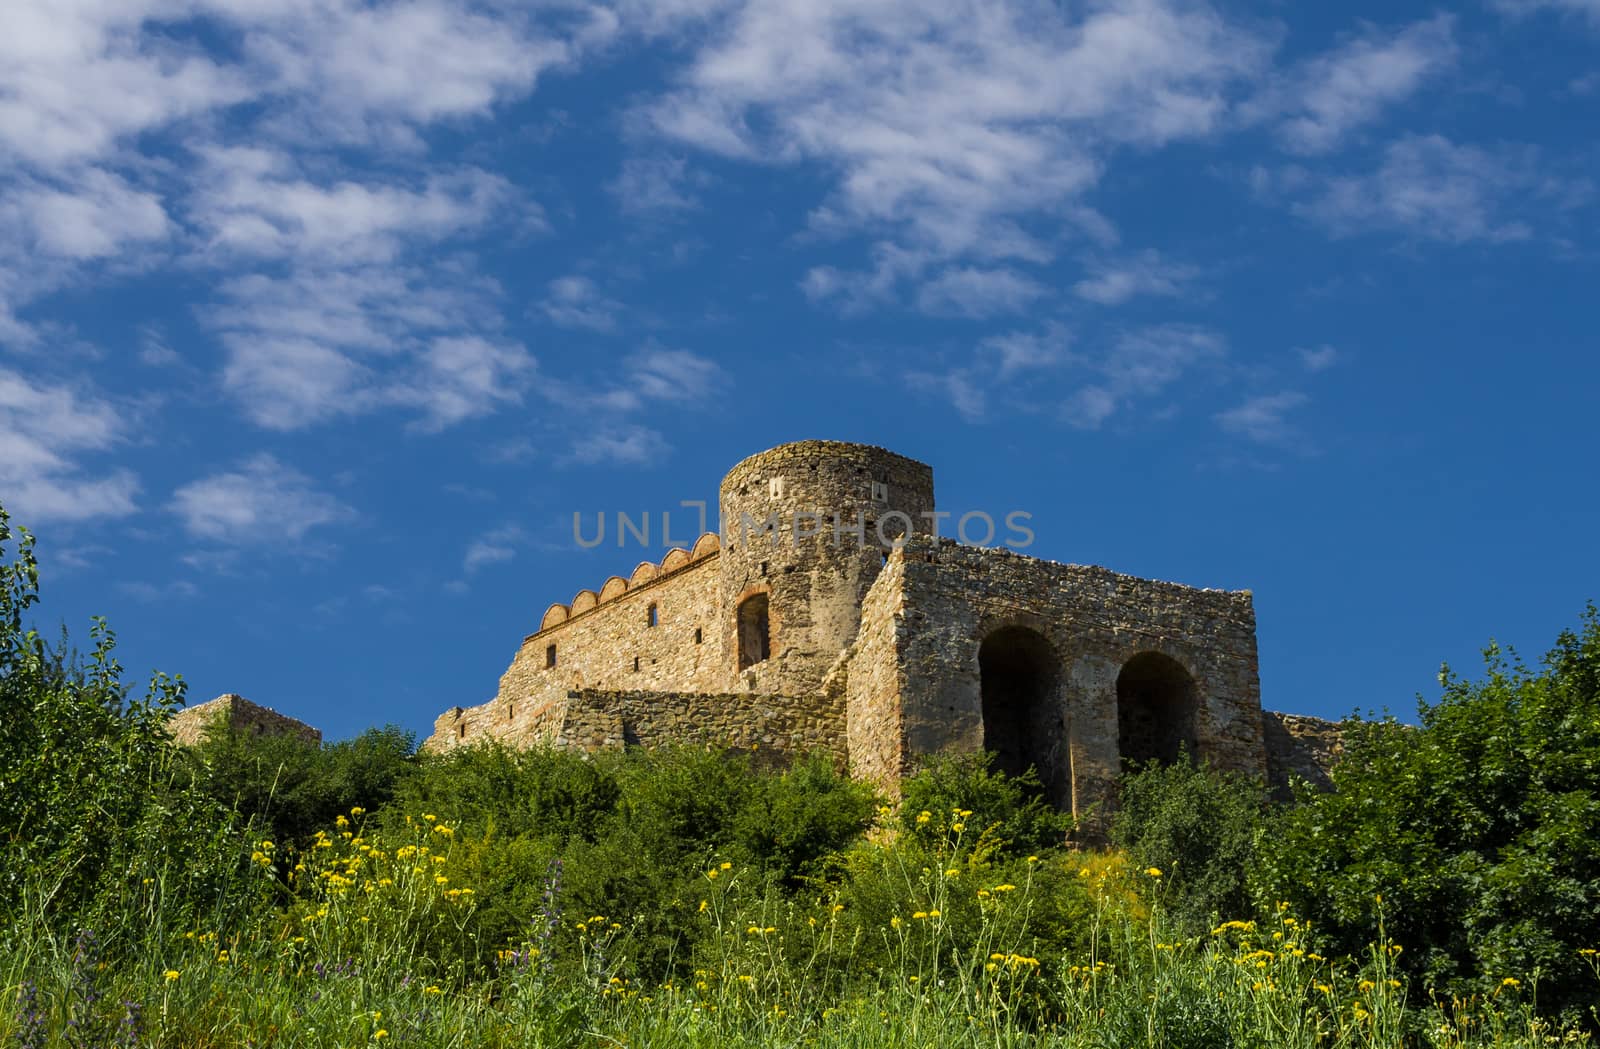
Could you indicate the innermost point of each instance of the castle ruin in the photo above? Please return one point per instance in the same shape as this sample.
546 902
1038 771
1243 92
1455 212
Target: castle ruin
828 615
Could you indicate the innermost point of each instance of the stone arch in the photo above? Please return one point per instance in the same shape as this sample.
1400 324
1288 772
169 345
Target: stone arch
1019 677
753 629
1158 707
555 615
676 558
705 546
612 589
645 572
584 600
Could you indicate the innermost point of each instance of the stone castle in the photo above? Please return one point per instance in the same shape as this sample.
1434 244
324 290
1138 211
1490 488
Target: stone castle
829 615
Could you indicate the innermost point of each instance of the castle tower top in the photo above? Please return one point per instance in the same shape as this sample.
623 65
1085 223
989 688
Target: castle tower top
805 529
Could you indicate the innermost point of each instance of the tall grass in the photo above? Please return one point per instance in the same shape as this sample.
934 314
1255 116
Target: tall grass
369 935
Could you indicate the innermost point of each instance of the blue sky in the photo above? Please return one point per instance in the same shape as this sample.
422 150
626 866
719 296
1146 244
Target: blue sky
319 319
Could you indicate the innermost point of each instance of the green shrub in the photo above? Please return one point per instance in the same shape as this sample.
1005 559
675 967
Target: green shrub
99 829
1480 831
1197 826
288 788
1015 817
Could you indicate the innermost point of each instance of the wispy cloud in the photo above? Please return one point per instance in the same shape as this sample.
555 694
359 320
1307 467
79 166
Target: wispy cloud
1317 358
45 430
261 501
1589 9
1141 365
1317 104
946 124
1430 188
1113 283
576 302
656 184
493 547
1263 419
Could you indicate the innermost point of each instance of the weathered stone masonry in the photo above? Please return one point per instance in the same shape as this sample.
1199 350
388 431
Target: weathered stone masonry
825 616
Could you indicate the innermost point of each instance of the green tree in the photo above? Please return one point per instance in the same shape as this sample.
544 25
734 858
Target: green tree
1475 838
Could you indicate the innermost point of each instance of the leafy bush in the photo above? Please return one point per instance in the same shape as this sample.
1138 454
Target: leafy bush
98 826
1015 817
1197 826
1479 831
288 788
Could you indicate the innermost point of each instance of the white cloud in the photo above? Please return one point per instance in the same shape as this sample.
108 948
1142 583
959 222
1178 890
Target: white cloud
319 344
996 366
152 593
253 202
1145 274
1140 365
79 76
1320 102
1013 352
971 291
493 547
95 215
1263 419
575 302
1429 187
44 429
623 444
364 71
661 374
1089 407
1318 358
263 501
1587 8
465 376
655 184
946 125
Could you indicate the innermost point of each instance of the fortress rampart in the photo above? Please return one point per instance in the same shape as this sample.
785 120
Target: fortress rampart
825 616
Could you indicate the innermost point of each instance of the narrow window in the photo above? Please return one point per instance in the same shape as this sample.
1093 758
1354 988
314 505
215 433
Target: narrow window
511 711
764 566
635 664
461 732
549 657
880 492
755 642
653 615
698 636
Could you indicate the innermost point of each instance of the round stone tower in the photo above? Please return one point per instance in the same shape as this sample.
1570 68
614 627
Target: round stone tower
806 528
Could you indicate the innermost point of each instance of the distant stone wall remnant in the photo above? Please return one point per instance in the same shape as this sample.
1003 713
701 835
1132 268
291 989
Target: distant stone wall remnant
190 726
1300 746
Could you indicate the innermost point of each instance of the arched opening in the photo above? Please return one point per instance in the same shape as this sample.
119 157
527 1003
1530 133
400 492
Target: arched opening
1021 711
755 639
1157 704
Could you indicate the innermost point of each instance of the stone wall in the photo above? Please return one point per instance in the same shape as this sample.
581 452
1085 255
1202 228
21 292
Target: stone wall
1059 639
873 682
1300 746
773 726
190 726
